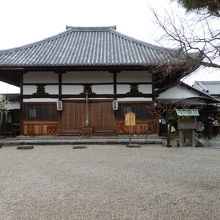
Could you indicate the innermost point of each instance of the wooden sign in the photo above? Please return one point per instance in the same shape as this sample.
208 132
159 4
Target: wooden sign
130 119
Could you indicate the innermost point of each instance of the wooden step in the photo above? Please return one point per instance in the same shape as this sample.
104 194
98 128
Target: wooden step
70 132
103 132
79 132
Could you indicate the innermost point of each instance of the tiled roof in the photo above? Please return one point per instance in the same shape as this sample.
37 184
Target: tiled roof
188 101
202 92
89 46
12 96
187 112
210 87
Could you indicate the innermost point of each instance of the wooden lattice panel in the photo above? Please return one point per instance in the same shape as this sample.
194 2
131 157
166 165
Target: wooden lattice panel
50 129
139 128
40 127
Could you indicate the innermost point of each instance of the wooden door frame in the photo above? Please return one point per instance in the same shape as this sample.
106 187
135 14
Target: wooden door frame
90 100
83 101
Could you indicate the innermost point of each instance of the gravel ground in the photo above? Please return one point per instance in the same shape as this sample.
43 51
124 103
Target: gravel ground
109 182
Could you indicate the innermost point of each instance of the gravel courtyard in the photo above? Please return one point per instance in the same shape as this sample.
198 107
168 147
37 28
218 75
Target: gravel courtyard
109 182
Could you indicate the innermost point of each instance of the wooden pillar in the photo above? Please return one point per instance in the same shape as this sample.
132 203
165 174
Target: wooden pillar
21 102
193 138
60 74
60 85
156 119
153 87
114 74
181 138
115 85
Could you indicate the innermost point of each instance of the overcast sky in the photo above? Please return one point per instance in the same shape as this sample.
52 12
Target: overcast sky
26 21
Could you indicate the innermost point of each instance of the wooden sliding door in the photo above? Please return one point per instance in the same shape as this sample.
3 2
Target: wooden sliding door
100 116
73 116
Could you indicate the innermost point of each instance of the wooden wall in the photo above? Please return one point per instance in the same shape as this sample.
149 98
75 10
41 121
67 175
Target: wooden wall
142 127
40 127
71 120
39 119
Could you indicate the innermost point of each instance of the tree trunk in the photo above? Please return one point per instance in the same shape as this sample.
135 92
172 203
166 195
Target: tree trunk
168 133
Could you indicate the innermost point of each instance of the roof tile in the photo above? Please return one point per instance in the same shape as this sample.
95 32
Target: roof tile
90 46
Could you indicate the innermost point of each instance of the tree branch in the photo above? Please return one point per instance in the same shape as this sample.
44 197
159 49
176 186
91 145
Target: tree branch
199 37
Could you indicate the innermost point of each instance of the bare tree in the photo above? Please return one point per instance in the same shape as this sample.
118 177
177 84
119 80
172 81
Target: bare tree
199 34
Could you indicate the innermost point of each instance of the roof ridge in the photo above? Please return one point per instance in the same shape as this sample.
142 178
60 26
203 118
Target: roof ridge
140 42
198 90
208 81
92 28
69 29
11 50
75 38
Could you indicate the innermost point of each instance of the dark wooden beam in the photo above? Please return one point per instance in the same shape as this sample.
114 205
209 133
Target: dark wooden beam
90 96
39 96
43 84
108 83
153 87
21 102
58 71
60 85
81 84
21 84
115 85
12 68
64 69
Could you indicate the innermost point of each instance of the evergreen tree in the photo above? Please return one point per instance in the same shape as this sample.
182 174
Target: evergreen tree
212 6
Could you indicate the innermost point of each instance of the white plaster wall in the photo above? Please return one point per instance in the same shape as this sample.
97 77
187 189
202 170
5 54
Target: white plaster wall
145 88
14 105
87 77
30 89
178 92
75 89
105 76
40 77
72 89
103 89
52 89
40 100
134 76
123 89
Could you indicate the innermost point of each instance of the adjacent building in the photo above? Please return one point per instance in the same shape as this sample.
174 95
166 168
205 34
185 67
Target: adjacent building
210 87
